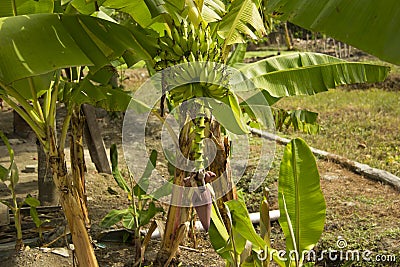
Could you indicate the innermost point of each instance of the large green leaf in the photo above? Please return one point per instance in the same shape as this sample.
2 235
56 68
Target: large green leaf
299 120
143 183
299 187
146 215
212 10
137 9
242 224
237 55
228 113
85 92
24 7
38 84
309 73
115 170
243 20
40 43
219 236
373 26
84 6
113 217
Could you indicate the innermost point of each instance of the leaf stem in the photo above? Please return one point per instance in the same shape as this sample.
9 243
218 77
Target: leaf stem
51 104
64 129
14 7
10 91
25 116
9 148
35 101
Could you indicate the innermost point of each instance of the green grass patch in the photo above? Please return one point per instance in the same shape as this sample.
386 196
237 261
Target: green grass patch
362 125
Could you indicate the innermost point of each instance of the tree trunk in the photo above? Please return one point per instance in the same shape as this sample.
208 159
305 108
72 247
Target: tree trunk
78 160
94 140
289 45
176 215
71 204
221 167
48 195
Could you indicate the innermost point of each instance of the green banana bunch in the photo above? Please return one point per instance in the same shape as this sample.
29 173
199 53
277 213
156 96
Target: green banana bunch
187 42
201 76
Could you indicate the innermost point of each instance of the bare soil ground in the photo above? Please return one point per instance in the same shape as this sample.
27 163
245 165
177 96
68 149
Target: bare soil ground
365 213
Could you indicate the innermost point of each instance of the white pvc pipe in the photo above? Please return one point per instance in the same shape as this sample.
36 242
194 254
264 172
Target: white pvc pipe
254 217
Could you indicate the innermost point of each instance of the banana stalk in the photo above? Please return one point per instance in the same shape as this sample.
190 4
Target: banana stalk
186 42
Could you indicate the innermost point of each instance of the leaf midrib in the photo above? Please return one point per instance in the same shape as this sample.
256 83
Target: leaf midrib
297 195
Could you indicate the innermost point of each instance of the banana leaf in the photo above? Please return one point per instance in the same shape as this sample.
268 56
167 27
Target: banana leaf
301 202
143 12
243 20
40 43
24 7
213 10
300 120
373 26
309 73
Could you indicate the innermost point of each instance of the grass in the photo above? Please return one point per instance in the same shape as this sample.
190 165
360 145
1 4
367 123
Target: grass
362 125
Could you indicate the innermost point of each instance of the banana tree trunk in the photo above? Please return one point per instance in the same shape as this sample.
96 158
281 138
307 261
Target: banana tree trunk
48 194
221 167
288 42
71 204
78 160
176 215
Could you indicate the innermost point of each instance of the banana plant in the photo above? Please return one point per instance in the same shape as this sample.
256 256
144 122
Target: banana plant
301 202
10 177
67 40
142 208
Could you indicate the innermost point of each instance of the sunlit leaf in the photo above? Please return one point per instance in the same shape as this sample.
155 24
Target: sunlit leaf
24 7
31 201
115 170
228 113
143 183
242 21
113 217
299 183
129 221
242 223
40 43
237 55
309 73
